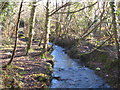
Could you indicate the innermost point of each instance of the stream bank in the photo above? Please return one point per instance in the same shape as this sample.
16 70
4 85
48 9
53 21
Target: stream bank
71 73
101 61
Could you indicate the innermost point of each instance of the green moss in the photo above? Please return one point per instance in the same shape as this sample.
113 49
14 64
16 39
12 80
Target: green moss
96 55
31 50
10 66
111 64
10 78
40 74
22 37
22 73
49 66
36 40
41 77
98 69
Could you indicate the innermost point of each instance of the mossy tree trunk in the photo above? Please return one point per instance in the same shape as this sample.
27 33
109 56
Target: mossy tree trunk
57 25
114 24
119 14
47 28
31 26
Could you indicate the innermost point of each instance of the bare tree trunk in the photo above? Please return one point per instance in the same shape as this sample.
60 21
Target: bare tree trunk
47 24
47 28
112 4
61 20
57 26
31 26
16 36
40 40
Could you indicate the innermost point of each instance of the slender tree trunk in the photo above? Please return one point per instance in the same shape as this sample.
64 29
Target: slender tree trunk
119 14
31 26
115 28
16 36
40 40
47 24
119 20
47 28
57 26
61 20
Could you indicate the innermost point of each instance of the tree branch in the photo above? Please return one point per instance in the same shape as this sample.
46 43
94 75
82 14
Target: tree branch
94 28
77 10
65 5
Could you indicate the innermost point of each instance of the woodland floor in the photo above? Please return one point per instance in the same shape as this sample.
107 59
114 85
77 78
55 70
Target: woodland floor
29 71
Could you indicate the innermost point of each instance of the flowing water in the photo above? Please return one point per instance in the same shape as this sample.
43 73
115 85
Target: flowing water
69 73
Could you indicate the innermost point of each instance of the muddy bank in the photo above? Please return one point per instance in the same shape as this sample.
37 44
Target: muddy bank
101 60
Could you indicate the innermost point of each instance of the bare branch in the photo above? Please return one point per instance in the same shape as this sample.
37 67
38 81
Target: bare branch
77 10
94 28
65 5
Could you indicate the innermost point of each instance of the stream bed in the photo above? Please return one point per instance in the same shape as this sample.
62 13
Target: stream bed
70 73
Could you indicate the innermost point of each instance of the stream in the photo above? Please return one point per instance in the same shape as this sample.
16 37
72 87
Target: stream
70 73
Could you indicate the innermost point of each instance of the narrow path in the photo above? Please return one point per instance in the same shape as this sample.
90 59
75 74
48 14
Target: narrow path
68 73
27 67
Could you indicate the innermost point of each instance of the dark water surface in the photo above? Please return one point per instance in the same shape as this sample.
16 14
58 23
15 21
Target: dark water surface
69 73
